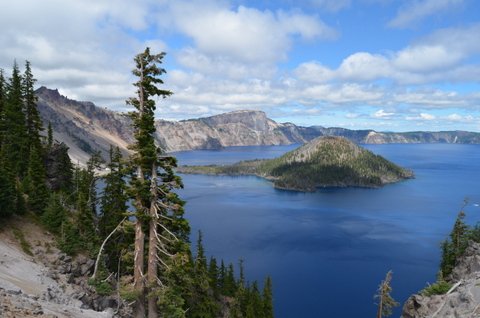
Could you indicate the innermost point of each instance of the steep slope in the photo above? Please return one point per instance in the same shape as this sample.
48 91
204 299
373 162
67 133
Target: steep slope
41 284
322 162
85 127
239 128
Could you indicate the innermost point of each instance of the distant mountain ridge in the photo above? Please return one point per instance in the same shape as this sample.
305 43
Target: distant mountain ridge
85 127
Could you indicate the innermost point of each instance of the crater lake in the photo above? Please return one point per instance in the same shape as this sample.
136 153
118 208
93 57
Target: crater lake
328 251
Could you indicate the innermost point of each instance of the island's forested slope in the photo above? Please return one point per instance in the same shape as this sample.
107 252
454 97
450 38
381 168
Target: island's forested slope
322 162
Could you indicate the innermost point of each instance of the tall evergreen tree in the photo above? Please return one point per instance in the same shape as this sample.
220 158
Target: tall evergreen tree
152 185
202 303
113 205
3 97
267 298
33 120
15 139
59 169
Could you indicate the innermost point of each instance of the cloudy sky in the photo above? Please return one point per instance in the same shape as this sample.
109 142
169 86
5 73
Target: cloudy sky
384 64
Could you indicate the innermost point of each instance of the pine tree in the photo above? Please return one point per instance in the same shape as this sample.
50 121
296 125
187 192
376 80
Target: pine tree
59 168
152 185
55 214
33 120
7 193
213 276
385 301
113 205
455 246
267 298
36 181
15 139
3 97
202 303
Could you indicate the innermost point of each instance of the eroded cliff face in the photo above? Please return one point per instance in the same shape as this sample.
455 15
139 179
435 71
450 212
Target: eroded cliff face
85 127
239 128
463 299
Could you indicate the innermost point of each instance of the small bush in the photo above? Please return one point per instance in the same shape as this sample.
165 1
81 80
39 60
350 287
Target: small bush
439 288
102 288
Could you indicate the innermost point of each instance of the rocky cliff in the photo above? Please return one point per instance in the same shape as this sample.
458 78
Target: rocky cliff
462 300
85 127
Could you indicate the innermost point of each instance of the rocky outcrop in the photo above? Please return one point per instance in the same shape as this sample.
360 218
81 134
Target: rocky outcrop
462 300
47 283
239 128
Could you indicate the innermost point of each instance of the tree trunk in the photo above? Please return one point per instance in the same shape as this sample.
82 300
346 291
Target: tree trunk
380 305
153 246
138 281
139 309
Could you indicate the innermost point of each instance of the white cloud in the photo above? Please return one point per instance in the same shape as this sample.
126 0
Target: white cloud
364 67
417 10
421 117
244 34
313 72
382 114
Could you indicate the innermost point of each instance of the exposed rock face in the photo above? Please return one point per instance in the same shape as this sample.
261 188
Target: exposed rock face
463 300
85 127
240 128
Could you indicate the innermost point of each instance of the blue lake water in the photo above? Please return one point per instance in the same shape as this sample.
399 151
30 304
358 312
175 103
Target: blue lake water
328 251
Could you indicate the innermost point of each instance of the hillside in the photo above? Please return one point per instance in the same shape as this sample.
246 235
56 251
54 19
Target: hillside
322 162
37 280
85 127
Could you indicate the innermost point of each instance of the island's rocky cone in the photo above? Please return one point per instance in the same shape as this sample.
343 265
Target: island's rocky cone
321 162
463 299
85 127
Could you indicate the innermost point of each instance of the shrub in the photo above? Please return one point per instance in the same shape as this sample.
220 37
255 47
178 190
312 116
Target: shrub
439 288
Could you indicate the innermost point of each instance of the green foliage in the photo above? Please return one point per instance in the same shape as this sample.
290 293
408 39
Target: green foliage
68 241
385 301
55 214
26 247
7 193
36 182
101 284
126 290
268 298
455 245
438 288
113 208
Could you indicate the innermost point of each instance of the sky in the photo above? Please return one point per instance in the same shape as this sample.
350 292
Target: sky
387 65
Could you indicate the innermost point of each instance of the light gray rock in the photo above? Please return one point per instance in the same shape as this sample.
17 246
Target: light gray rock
463 300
